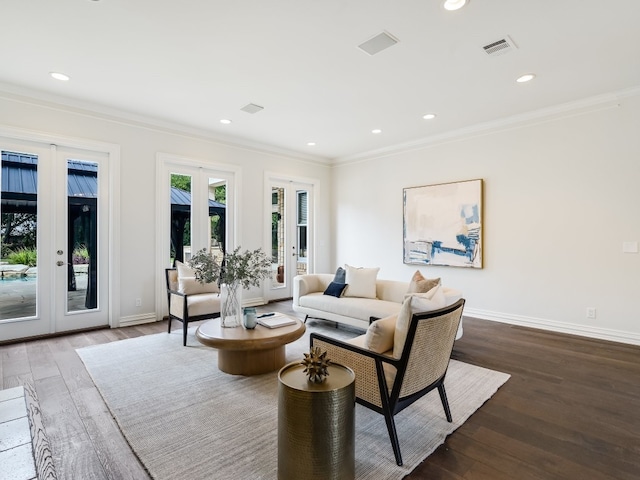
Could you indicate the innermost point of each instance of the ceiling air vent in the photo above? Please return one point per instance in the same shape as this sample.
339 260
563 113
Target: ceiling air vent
252 108
500 47
378 43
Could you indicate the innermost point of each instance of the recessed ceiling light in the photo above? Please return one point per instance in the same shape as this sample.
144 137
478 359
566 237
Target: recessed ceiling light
226 121
525 78
454 4
429 116
311 144
59 76
376 131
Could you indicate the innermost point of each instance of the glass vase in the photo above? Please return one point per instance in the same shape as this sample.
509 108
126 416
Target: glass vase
230 305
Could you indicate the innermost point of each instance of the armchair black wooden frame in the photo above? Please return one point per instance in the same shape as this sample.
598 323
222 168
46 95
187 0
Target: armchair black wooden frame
185 309
421 368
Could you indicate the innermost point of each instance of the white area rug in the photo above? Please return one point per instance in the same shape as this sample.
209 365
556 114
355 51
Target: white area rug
185 419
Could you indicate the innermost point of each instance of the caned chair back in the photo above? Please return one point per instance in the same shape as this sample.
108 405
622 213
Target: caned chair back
429 343
388 385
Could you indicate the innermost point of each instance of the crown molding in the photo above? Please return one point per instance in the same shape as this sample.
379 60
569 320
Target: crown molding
79 107
543 115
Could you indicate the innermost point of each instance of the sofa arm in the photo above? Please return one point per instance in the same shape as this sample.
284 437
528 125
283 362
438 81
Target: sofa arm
310 283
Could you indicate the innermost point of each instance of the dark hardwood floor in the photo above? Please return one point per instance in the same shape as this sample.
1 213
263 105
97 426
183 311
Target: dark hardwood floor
571 409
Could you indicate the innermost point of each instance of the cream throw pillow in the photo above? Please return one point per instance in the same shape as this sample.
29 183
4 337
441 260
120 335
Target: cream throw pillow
361 282
191 286
379 337
184 270
188 284
419 284
415 303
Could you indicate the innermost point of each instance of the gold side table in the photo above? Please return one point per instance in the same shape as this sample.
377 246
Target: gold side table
316 424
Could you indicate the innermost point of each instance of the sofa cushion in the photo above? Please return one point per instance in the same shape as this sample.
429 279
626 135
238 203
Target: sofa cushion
335 289
419 284
415 303
361 282
358 308
379 336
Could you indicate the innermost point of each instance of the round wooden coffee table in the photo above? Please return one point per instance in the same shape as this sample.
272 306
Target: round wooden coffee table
249 352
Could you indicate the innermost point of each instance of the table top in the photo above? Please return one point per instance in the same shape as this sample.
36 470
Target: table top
212 334
293 376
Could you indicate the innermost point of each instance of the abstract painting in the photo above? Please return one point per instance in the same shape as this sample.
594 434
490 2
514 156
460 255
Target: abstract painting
443 224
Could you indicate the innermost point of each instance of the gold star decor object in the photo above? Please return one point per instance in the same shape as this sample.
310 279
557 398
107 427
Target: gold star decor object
315 365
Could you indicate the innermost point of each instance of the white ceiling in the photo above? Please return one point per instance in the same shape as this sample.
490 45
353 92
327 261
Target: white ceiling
194 62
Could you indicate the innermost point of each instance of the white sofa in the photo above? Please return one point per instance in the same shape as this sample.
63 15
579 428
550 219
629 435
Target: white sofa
309 299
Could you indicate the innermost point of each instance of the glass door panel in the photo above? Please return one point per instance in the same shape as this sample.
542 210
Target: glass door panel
290 252
81 237
198 215
180 218
217 210
19 231
83 259
278 222
302 215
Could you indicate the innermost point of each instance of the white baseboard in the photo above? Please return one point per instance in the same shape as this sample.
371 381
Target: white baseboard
151 317
254 302
137 319
555 326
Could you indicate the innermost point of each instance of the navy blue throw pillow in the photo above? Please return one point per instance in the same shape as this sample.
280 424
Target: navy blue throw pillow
341 275
335 289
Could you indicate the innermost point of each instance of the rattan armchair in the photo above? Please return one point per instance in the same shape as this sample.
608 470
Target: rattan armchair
388 385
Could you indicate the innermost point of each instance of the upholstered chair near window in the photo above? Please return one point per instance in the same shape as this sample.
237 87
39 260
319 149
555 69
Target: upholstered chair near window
188 299
408 363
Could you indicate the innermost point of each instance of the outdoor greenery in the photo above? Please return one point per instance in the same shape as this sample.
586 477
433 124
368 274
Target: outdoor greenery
183 182
18 231
80 255
23 256
238 268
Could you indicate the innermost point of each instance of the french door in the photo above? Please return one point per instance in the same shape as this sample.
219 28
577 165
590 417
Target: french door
54 257
290 218
196 205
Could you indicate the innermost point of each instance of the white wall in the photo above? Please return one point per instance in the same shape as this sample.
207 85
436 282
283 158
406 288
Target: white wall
139 145
561 196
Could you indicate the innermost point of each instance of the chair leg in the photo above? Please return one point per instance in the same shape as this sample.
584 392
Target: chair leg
393 436
445 402
185 324
305 318
169 325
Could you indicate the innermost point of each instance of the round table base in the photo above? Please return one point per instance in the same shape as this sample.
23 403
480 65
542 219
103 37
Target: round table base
251 362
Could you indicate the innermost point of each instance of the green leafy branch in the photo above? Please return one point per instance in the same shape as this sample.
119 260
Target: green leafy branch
246 268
